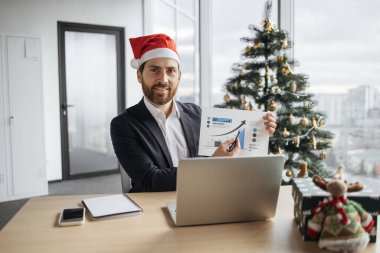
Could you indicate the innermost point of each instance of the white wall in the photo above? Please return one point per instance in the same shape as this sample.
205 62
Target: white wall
39 17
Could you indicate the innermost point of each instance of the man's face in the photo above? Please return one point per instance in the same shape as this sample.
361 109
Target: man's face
160 79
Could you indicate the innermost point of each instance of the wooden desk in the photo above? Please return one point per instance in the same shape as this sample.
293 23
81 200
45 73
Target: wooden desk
33 230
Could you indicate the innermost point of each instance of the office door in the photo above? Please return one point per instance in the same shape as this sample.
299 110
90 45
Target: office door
92 86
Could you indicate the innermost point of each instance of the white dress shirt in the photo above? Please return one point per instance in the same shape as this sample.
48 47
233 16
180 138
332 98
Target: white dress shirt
172 130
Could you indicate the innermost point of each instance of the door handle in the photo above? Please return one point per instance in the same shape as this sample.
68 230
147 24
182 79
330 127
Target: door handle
64 106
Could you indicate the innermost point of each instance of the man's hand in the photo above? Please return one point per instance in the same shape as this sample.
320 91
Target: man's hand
222 149
270 122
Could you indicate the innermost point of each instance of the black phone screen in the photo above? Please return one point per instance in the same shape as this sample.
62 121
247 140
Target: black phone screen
72 214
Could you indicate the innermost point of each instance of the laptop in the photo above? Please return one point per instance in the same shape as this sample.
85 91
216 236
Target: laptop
226 189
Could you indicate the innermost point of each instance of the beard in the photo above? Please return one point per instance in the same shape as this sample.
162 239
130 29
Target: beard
159 98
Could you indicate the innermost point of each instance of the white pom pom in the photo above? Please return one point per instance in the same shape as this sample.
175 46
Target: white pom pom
339 216
339 205
135 63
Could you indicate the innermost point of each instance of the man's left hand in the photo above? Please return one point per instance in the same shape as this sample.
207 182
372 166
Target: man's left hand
270 122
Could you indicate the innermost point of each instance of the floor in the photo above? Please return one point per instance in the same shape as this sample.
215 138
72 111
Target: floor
85 161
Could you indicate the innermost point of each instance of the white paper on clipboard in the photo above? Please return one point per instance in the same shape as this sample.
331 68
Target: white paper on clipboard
219 125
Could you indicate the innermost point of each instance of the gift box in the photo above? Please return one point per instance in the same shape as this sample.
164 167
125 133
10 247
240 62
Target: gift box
307 195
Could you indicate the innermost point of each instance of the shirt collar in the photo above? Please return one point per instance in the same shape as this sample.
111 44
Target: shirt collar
158 113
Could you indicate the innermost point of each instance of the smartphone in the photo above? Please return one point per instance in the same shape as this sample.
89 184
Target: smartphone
71 217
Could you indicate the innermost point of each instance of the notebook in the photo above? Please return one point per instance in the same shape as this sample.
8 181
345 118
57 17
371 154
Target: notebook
111 205
226 189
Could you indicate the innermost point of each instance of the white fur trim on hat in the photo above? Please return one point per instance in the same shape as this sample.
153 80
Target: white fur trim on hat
155 53
135 63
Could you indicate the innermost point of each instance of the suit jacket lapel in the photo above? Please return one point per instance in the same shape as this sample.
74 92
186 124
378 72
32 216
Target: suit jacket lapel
150 123
188 131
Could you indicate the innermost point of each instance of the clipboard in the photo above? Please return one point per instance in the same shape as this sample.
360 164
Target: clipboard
111 205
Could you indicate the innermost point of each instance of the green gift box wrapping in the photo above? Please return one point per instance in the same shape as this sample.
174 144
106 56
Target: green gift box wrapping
307 195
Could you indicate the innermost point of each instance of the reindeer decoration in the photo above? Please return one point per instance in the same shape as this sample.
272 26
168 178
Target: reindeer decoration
341 224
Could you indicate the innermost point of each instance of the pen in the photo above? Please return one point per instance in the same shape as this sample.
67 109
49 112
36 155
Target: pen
232 145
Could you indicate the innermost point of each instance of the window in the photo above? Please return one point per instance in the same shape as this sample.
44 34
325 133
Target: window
230 21
337 43
179 20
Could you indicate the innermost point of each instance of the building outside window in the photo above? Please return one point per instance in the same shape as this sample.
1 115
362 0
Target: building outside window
337 43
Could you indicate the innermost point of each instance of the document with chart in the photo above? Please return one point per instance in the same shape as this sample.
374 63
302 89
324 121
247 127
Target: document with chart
219 125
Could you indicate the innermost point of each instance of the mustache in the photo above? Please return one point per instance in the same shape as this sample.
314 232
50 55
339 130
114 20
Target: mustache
160 85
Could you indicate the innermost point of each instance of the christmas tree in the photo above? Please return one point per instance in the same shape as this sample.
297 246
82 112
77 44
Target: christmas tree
265 80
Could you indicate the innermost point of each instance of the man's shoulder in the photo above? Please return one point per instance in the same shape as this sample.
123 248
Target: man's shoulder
131 113
189 107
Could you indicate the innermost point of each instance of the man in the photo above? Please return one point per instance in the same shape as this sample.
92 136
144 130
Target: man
151 137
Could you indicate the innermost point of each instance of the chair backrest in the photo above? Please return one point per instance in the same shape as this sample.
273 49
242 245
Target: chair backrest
125 180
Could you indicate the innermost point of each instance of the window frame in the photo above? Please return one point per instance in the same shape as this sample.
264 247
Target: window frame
148 24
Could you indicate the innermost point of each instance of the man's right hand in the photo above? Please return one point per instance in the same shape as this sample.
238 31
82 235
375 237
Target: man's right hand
222 149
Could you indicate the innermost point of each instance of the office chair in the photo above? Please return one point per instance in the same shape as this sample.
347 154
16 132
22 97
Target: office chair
125 180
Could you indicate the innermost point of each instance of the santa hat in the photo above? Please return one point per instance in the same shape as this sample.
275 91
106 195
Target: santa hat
152 46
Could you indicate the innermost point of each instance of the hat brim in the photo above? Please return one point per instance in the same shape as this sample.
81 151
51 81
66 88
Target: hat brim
155 53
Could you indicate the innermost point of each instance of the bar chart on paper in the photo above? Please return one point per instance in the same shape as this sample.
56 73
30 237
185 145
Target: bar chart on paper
219 125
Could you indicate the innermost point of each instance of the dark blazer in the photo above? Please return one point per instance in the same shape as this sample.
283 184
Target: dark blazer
141 148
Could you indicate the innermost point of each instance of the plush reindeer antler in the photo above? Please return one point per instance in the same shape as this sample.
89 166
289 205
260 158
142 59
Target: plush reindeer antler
354 187
320 182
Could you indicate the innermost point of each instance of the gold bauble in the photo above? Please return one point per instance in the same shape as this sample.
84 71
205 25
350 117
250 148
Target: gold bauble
285 70
289 173
249 107
284 44
226 98
314 122
285 133
280 58
257 45
276 89
268 26
272 106
323 155
278 151
304 122
243 100
293 87
303 170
